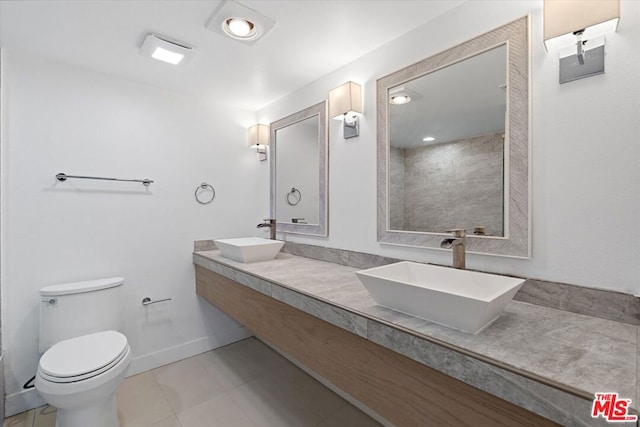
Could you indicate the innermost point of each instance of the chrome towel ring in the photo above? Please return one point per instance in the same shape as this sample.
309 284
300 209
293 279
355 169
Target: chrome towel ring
294 196
201 189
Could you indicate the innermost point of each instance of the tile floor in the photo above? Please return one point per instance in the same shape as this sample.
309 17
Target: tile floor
245 384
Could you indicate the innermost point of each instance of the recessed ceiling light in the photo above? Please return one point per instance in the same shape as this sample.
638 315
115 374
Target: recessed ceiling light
399 99
240 28
428 139
165 50
239 22
400 95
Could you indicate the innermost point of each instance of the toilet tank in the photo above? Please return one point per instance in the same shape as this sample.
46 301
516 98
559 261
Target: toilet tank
74 309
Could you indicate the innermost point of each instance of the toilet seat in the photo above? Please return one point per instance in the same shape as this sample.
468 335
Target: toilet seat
84 357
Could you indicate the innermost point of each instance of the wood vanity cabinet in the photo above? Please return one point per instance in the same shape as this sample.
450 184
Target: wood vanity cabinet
401 390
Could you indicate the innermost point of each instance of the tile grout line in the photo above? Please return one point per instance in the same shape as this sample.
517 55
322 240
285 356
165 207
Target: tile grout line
239 409
165 398
243 382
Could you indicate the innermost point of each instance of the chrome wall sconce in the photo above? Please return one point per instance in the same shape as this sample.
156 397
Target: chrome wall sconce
345 102
583 23
259 139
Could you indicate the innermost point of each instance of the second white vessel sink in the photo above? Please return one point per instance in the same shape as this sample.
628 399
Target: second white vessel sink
460 299
249 249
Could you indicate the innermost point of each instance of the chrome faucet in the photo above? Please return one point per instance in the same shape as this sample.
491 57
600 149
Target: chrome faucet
457 243
271 223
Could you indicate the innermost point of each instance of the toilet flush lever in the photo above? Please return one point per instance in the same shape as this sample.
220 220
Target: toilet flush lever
52 301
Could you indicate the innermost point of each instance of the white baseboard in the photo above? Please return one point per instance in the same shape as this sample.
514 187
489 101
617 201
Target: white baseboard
22 401
29 399
165 356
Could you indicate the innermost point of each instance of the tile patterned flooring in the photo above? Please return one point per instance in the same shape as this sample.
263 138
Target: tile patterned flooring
245 384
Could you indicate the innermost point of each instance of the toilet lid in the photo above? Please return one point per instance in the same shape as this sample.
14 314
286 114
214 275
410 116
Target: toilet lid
74 358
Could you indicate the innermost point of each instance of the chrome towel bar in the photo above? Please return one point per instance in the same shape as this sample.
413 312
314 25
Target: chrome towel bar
63 177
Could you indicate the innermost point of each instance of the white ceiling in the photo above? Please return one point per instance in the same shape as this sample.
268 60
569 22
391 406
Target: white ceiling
311 38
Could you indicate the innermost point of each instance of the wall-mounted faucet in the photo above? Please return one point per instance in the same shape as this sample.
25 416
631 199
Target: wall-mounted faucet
457 244
271 223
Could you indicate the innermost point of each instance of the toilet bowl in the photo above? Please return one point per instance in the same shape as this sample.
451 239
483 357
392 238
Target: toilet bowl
80 376
84 357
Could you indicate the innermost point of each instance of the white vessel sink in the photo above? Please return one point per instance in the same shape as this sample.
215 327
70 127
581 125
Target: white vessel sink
460 299
249 249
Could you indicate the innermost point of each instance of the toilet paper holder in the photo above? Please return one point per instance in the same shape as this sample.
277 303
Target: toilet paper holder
148 301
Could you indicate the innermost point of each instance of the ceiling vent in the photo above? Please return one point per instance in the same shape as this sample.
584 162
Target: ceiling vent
163 49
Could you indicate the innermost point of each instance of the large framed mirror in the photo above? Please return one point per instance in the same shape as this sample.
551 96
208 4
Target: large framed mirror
453 146
299 153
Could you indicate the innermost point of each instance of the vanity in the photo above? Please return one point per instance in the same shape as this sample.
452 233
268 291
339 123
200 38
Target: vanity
461 163
533 366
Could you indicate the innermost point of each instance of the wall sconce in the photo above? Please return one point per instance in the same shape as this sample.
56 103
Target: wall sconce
344 102
259 139
567 21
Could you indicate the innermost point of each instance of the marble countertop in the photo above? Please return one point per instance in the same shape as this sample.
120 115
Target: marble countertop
556 355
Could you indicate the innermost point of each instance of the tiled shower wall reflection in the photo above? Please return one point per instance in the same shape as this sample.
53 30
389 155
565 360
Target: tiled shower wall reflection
451 185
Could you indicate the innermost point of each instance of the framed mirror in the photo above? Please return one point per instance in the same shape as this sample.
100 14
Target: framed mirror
453 146
299 153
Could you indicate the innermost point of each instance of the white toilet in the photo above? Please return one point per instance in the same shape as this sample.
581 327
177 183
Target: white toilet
85 358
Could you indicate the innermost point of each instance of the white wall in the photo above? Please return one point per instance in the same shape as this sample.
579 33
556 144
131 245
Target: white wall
585 152
59 118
